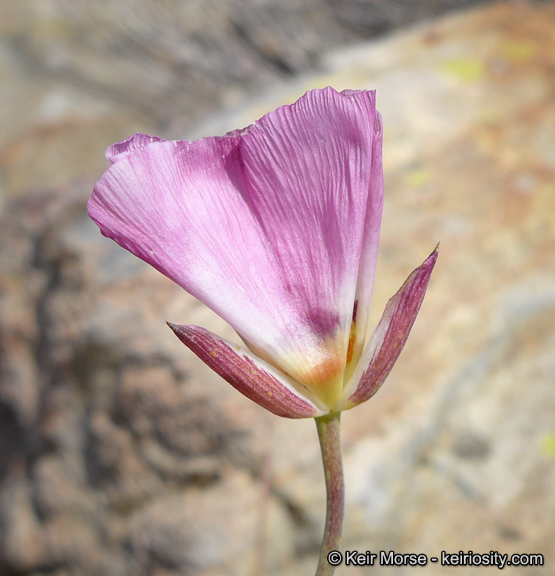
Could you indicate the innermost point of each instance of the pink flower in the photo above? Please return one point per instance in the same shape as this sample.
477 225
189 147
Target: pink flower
275 228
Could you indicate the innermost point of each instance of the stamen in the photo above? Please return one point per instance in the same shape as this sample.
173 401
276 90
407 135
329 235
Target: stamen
352 334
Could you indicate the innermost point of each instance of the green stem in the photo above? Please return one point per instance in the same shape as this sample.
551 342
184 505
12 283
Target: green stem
328 434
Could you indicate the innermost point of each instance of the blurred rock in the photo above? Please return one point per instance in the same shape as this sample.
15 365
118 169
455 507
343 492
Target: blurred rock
180 60
122 454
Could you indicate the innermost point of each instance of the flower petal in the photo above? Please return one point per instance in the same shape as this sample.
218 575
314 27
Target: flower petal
369 253
390 336
265 226
248 374
120 150
316 156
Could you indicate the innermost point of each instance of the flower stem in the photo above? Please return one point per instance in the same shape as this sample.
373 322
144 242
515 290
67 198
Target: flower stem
328 434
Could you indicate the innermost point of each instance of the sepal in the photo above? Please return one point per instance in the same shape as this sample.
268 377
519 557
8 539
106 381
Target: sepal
253 377
390 336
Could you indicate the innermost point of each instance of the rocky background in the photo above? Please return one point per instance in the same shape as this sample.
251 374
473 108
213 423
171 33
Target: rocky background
120 453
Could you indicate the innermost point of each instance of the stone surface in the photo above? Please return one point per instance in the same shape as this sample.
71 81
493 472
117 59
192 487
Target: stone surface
174 61
122 454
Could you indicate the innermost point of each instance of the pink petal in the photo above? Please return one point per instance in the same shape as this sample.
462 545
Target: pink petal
266 226
119 150
369 254
317 156
248 374
390 336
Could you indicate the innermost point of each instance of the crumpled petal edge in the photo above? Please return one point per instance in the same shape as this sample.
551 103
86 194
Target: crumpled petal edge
250 375
390 335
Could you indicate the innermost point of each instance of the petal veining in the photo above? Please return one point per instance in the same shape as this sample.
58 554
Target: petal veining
315 156
265 225
369 252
